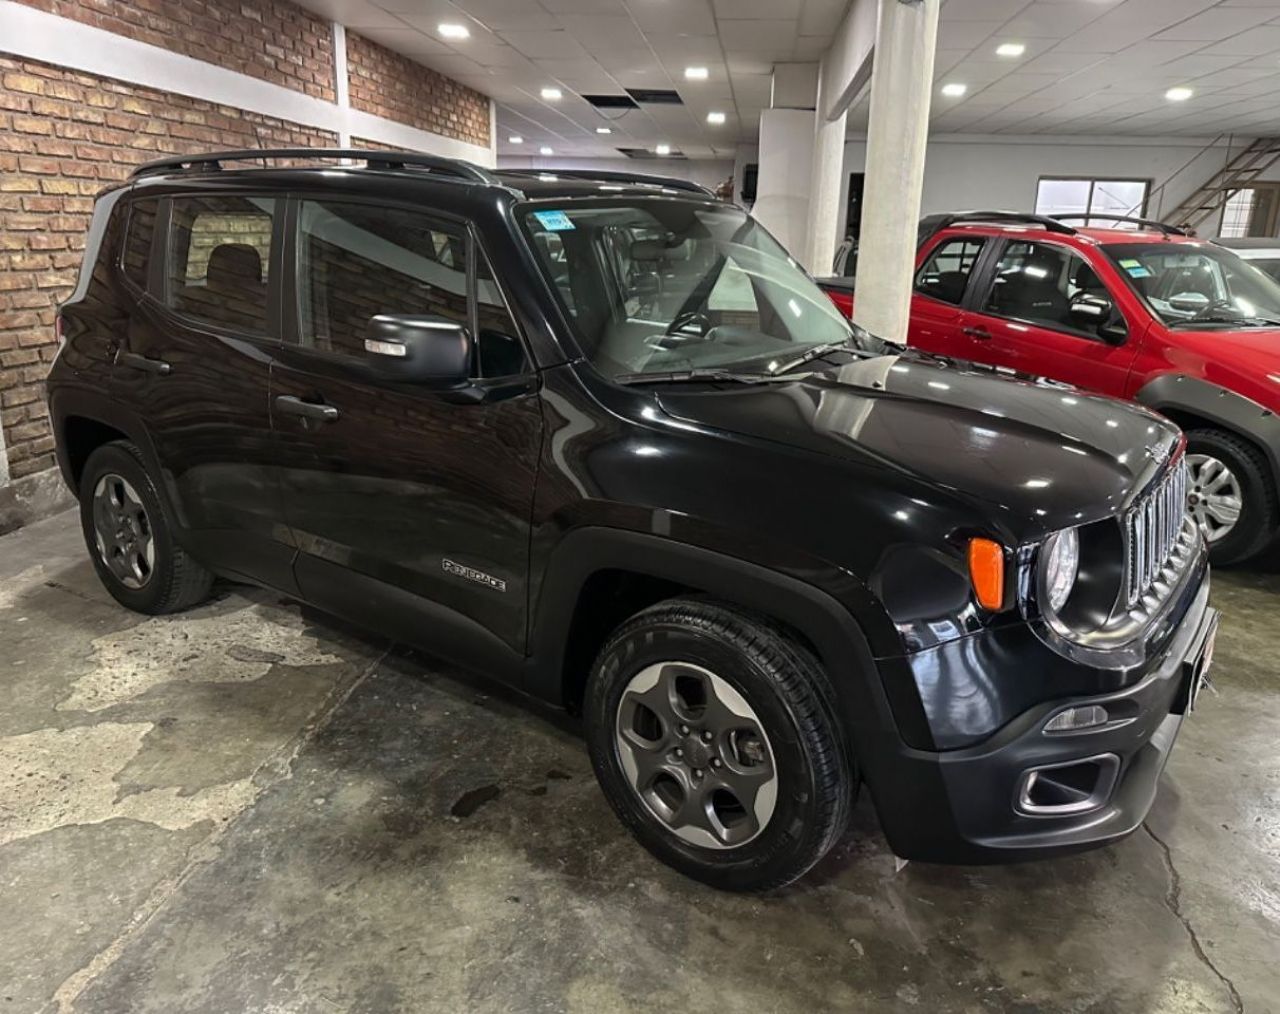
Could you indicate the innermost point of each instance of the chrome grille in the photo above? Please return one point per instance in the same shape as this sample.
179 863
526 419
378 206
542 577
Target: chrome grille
1153 528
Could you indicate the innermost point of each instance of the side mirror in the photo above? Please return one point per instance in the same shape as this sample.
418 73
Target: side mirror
419 349
1099 314
1189 302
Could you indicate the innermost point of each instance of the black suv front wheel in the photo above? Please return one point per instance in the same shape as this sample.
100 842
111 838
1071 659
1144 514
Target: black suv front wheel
712 734
130 538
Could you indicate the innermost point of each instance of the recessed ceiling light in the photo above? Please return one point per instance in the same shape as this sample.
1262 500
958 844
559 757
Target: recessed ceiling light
604 130
715 117
954 90
1179 94
696 73
663 149
544 150
515 139
1010 49
552 94
453 30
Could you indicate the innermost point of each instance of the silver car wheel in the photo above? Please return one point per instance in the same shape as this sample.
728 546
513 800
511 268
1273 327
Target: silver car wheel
696 754
122 531
1214 497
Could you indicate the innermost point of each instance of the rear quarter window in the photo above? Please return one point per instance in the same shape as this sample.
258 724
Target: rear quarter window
135 253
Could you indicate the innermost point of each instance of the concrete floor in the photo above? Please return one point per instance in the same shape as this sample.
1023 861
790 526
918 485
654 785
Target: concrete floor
245 808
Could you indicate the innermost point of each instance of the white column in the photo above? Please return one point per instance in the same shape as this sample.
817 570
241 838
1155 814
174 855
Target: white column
782 186
826 214
901 89
341 93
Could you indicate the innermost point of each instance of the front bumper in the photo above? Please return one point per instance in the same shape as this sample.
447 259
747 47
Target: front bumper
972 805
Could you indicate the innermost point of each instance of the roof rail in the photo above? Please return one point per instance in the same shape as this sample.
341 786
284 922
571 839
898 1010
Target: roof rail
939 222
613 176
1168 230
454 167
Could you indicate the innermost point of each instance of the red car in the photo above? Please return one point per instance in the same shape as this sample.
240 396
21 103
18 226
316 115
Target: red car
1141 311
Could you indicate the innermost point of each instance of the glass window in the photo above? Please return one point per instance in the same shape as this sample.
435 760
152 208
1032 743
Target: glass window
1037 282
655 285
1237 214
498 347
356 261
1071 196
135 258
218 256
1198 283
945 275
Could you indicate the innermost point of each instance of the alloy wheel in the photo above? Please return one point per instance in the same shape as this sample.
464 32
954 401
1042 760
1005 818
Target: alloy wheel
1214 497
122 531
696 754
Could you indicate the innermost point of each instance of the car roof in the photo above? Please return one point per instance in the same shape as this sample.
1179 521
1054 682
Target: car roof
1097 237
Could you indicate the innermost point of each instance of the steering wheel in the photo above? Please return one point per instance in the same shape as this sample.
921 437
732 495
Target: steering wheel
685 321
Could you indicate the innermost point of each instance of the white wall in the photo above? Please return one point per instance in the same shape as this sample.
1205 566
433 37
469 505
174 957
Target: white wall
709 172
1001 172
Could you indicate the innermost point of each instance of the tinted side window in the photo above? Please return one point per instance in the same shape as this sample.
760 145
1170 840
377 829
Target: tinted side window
356 261
499 350
218 253
946 273
135 256
1037 281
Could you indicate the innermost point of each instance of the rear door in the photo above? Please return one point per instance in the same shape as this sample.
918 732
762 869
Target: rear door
1022 318
937 305
411 506
195 364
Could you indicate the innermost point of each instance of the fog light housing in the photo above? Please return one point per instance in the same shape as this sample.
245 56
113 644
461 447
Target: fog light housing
1088 716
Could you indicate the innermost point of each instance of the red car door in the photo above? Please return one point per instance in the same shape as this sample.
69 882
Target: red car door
937 313
1044 310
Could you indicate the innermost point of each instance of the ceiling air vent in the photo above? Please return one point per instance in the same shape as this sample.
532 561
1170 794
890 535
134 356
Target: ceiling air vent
611 101
655 96
647 153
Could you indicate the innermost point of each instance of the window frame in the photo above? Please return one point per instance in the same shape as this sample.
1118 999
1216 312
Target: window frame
160 277
291 323
983 292
1093 181
979 265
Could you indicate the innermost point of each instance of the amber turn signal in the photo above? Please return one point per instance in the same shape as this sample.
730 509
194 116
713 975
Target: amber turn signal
986 571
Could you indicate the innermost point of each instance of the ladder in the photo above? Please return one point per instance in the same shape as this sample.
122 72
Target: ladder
1239 172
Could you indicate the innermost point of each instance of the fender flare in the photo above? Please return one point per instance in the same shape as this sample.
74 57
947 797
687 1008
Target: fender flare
1225 408
825 621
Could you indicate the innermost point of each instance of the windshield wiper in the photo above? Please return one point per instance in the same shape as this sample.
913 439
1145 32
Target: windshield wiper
816 352
1221 319
700 374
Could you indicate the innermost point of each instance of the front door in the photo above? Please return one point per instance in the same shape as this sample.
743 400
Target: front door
411 506
937 315
195 366
1023 319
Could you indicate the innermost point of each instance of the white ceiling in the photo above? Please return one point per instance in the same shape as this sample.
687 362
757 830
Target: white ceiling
1090 66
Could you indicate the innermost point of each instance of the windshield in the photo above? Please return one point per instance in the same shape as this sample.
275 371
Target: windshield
1186 284
661 285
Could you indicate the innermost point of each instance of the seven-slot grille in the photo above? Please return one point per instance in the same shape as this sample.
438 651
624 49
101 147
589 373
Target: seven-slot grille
1152 529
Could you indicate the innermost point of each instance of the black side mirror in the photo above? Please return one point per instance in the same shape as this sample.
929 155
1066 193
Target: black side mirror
1099 314
419 349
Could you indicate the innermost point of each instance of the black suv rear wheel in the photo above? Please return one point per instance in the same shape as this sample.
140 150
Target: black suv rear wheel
129 537
712 734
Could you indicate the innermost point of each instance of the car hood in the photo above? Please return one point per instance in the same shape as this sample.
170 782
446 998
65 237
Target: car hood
1039 451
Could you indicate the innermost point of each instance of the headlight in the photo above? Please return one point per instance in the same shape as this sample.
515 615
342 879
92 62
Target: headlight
1060 560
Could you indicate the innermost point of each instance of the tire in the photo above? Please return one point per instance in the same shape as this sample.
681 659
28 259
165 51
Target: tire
144 569
769 837
1250 482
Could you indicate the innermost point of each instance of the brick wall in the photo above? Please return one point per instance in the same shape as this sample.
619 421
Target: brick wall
272 40
393 86
63 137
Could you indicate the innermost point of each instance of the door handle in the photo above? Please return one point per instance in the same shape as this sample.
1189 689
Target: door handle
981 333
137 362
289 405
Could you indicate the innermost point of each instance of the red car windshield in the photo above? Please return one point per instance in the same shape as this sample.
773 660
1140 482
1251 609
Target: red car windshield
1190 285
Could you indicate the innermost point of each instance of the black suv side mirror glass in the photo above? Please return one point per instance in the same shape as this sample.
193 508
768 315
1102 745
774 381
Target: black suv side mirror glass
419 348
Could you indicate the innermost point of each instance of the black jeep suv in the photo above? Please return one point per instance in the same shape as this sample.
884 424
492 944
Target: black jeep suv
604 440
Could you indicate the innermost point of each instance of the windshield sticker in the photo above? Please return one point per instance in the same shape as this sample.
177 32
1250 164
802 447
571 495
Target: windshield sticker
1129 262
555 221
1138 271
